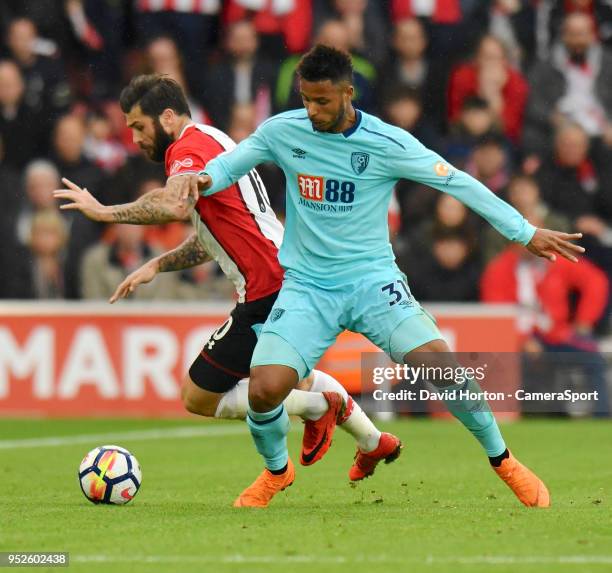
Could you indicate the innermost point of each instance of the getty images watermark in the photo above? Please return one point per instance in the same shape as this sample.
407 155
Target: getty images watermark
509 382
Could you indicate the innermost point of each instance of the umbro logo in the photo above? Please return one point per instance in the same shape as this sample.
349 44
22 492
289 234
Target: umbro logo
276 314
299 153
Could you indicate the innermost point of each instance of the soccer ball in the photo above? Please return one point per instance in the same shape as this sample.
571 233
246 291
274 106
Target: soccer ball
110 474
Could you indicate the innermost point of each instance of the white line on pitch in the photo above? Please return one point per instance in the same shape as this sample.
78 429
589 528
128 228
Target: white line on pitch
339 559
110 437
523 560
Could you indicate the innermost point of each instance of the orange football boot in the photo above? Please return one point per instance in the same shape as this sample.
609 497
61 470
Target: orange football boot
527 486
265 487
389 449
318 433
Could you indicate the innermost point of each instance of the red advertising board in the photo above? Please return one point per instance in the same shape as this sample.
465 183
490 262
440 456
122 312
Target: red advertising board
83 359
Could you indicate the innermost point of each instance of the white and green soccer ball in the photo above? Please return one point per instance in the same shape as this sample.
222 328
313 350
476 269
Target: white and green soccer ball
110 474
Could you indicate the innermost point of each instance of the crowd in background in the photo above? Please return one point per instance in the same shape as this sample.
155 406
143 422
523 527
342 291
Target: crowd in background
518 93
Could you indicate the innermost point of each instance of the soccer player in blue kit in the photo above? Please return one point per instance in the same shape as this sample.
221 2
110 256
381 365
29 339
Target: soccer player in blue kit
341 165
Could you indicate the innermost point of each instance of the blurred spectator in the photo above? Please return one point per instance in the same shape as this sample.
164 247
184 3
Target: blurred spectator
365 24
449 216
552 13
597 241
100 27
490 76
241 77
451 25
448 273
572 179
475 122
163 57
242 122
126 182
542 290
48 16
104 266
46 85
410 67
523 193
21 127
69 155
193 25
489 162
38 270
40 179
404 108
100 147
440 254
513 23
283 25
574 84
332 33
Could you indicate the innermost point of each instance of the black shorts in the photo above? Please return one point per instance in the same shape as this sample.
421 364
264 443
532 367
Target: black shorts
226 357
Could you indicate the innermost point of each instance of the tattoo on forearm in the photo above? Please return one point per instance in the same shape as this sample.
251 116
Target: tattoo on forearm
154 207
189 254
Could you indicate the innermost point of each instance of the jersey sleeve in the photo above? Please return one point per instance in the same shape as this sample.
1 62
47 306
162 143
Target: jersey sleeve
230 166
412 160
185 158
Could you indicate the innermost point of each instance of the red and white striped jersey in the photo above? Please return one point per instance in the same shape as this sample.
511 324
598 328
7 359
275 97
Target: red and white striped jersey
189 6
236 226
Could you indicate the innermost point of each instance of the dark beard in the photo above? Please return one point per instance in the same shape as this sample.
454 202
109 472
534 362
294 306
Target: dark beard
161 143
339 119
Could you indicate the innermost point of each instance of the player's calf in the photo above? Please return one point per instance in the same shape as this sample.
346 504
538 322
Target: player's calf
197 400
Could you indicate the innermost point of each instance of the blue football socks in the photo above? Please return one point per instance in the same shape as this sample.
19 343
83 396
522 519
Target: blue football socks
476 416
269 431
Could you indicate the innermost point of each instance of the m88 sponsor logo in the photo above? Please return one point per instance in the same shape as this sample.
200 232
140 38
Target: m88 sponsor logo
336 195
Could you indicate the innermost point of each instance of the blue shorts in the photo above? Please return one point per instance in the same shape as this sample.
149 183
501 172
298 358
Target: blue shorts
308 318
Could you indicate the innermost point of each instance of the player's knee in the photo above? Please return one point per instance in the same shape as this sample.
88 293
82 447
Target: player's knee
263 394
260 398
433 354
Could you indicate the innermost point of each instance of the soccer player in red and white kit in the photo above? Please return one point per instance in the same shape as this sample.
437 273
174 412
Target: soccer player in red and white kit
238 229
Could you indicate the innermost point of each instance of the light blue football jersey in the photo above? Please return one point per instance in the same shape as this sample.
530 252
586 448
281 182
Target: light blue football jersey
338 191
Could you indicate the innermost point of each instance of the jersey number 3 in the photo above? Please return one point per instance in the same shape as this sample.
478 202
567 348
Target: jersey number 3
397 295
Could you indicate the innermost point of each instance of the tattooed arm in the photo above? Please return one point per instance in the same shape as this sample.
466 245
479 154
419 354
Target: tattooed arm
189 254
155 207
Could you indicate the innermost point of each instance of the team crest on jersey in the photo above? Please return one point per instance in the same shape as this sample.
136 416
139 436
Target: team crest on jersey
177 164
359 161
276 314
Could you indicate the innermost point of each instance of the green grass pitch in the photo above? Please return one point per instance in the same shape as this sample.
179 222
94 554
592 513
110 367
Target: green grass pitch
439 508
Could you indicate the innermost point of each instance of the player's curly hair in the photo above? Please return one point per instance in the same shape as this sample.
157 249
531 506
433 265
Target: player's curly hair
154 93
325 63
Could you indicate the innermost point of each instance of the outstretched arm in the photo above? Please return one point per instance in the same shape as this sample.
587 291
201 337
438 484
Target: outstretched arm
423 165
188 254
158 206
227 168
